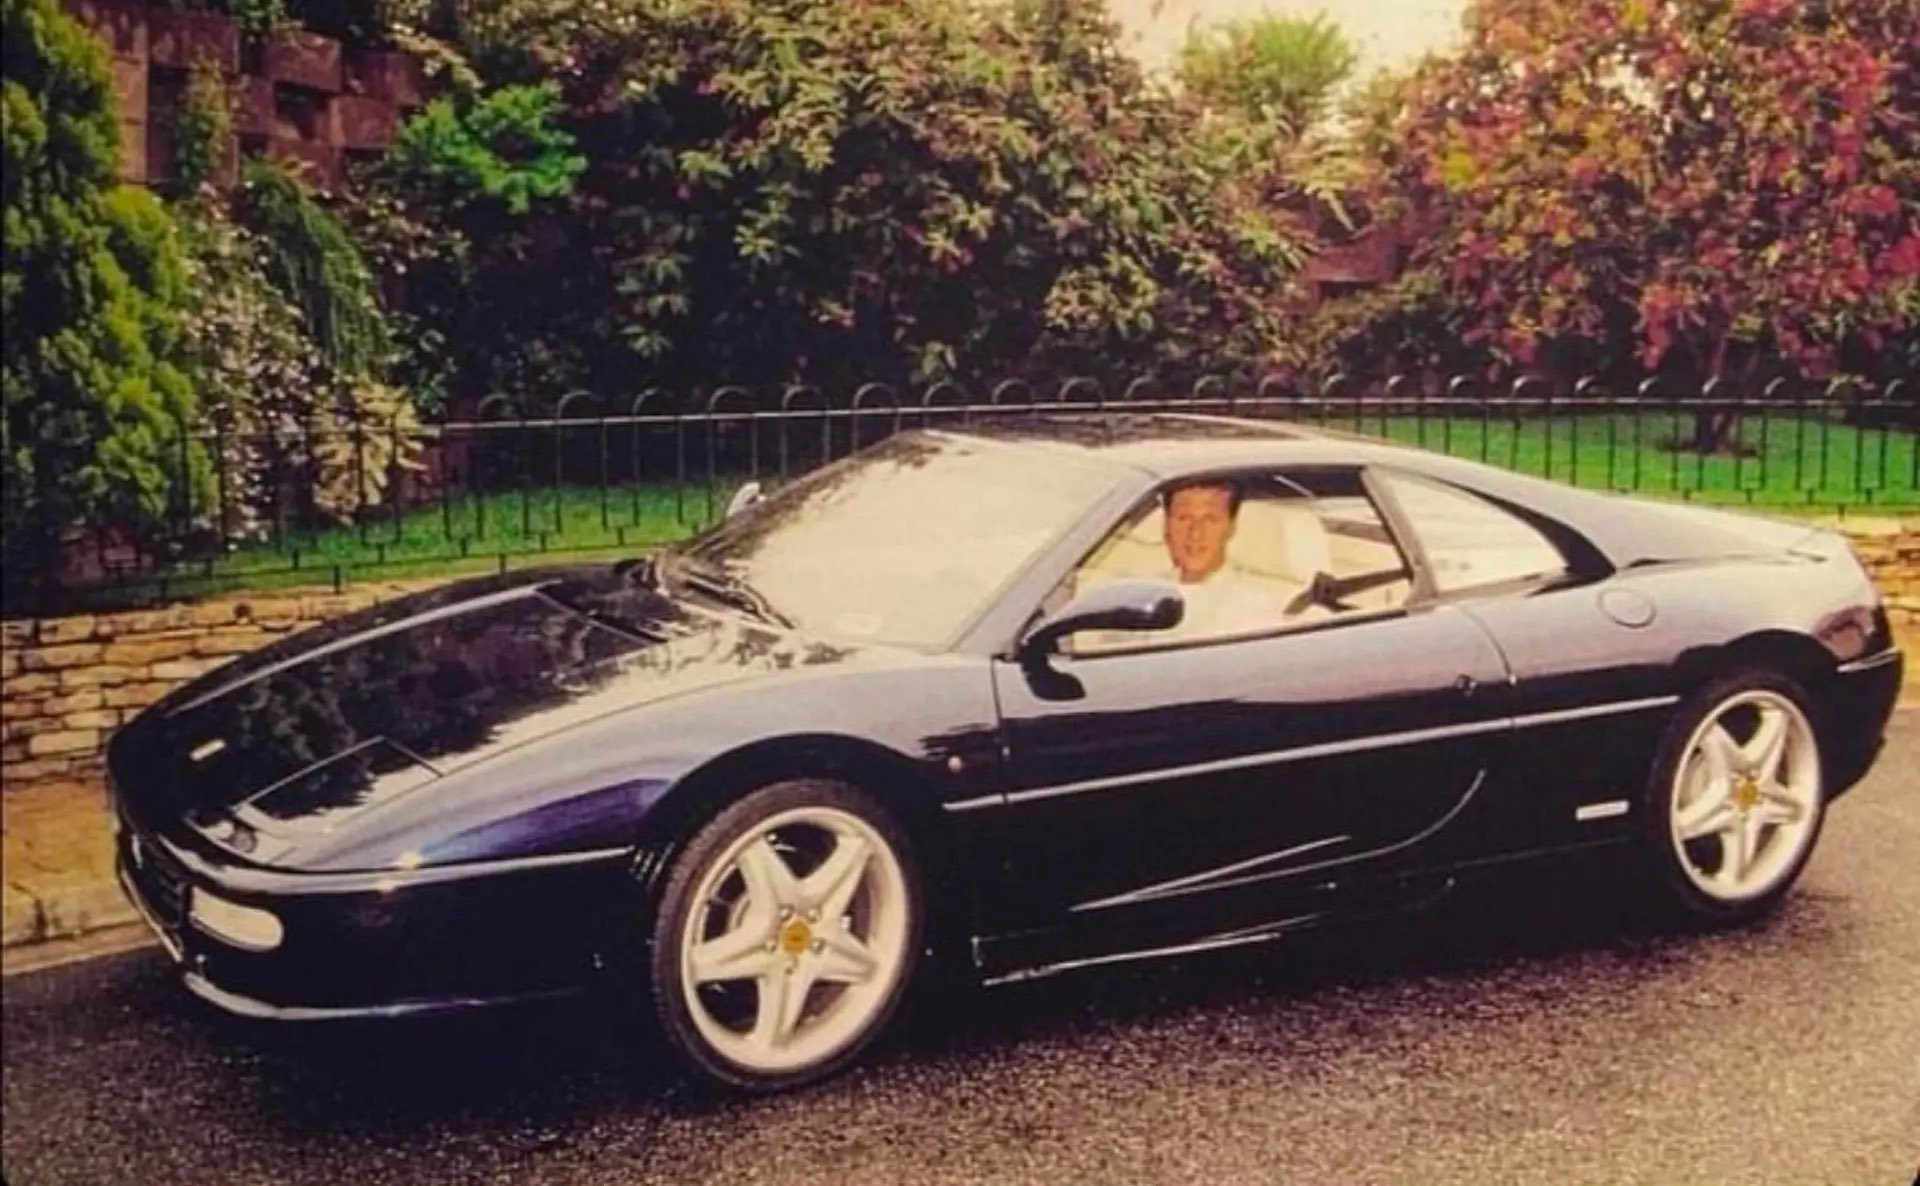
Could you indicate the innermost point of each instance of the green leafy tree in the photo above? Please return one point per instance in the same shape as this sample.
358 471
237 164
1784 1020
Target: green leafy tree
782 189
94 399
1271 67
1693 186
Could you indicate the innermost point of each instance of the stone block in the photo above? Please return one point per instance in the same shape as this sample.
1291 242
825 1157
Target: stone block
183 669
275 613
139 652
252 105
97 675
211 613
28 728
319 163
21 708
130 87
76 701
33 683
76 654
19 774
12 751
133 151
9 664
79 628
98 718
63 742
135 695
365 125
122 24
81 909
19 916
394 77
304 59
17 632
321 606
237 641
151 621
180 37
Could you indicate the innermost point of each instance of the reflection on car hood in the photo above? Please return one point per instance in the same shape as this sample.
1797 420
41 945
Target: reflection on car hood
374 705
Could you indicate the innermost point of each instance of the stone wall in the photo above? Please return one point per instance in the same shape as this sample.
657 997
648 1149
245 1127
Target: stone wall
1891 550
296 97
66 682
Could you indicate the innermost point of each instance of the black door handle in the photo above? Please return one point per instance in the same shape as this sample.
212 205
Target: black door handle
1466 685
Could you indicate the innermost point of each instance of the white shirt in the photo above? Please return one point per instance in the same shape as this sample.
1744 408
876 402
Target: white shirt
1226 601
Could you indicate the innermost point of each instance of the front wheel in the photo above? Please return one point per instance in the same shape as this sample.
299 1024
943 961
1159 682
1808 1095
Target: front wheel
786 933
1737 799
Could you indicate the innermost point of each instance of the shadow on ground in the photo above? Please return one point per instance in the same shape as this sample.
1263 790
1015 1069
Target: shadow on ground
554 1070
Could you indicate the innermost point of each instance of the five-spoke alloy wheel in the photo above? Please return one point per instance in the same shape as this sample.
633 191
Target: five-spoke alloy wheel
787 930
1738 798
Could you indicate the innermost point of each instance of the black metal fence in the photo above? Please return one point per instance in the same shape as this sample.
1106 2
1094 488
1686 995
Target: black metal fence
301 505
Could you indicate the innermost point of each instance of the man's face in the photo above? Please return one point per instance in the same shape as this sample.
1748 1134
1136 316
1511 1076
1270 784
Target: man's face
1199 524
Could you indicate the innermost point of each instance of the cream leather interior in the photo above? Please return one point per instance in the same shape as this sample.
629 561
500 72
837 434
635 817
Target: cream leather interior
1282 541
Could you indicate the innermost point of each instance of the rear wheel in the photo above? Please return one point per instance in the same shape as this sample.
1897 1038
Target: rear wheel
787 931
1737 799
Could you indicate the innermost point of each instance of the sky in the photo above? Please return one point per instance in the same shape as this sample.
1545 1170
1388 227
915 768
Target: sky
1388 33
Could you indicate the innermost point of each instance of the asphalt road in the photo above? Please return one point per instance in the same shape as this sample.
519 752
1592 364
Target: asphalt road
1520 1035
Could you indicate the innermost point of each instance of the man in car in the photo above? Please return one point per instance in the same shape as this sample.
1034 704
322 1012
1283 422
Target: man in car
1199 521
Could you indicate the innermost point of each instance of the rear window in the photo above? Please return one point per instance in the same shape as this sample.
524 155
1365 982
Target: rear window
1469 542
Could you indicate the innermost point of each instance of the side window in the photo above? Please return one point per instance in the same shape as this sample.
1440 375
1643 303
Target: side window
1470 542
1252 555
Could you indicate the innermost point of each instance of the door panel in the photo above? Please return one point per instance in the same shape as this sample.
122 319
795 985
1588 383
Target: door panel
1174 792
1591 693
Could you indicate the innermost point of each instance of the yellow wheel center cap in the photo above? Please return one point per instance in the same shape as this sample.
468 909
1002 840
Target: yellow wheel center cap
1746 793
795 937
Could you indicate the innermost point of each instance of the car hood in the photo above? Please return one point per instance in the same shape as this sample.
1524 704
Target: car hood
320 727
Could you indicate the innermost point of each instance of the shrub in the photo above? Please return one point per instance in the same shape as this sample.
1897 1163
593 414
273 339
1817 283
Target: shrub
202 128
93 282
504 148
310 257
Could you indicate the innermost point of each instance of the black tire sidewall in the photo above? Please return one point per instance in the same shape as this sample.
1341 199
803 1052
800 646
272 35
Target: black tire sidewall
1677 898
674 903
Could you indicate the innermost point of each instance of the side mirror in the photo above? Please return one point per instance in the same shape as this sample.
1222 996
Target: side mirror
743 498
1120 605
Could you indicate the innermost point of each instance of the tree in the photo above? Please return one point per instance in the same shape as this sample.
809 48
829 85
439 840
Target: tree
787 190
1270 67
1692 185
94 402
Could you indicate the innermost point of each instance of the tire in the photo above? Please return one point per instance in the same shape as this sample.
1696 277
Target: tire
1732 820
786 933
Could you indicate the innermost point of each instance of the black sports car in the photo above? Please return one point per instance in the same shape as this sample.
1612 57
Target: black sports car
1045 695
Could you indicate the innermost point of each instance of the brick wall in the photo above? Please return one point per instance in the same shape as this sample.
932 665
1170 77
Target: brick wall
68 681
65 683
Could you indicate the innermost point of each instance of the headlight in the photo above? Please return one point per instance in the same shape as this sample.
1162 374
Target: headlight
247 927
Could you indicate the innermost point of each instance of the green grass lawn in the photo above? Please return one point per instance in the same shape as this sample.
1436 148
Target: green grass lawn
1782 463
1809 467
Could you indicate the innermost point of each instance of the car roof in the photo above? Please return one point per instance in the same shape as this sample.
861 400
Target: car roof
1167 446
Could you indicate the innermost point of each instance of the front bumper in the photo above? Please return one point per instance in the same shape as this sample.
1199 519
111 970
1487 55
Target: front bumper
1855 713
383 945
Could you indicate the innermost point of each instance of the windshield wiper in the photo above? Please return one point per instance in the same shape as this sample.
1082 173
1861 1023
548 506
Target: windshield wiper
729 590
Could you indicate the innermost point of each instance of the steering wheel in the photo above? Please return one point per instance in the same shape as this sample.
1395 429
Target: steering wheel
1330 591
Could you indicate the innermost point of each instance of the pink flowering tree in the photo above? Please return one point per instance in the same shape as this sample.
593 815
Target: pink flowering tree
1694 186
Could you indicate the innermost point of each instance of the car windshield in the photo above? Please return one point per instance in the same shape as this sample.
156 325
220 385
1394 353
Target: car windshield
903 543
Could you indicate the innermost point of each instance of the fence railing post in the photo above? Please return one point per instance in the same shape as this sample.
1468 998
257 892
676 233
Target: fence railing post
500 442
